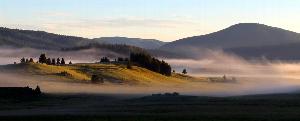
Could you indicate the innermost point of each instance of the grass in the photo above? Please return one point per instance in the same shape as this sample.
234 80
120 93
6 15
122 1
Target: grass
277 107
114 73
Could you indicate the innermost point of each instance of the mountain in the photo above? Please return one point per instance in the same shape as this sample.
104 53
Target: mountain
242 39
44 40
142 43
239 35
38 39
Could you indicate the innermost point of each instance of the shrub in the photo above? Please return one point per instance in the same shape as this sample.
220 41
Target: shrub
96 79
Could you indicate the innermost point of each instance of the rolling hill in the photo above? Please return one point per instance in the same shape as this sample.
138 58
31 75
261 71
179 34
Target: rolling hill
38 39
242 39
111 73
44 40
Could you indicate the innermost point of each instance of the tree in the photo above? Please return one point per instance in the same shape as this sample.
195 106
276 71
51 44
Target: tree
57 61
53 61
129 65
23 60
38 90
43 58
26 60
70 62
104 60
48 61
120 59
184 71
62 61
31 60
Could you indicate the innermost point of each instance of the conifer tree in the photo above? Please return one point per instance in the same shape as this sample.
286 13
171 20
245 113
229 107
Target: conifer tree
43 58
57 61
62 61
23 60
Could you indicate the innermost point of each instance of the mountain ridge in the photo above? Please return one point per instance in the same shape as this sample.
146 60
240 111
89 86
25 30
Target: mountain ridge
243 40
45 40
143 43
233 35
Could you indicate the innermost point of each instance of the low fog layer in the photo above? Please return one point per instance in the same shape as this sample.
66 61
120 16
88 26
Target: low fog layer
9 55
258 77
254 76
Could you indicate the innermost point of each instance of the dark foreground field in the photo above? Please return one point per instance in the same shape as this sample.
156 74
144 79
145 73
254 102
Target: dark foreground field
83 107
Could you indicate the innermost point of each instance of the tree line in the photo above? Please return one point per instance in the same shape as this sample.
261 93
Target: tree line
44 60
151 63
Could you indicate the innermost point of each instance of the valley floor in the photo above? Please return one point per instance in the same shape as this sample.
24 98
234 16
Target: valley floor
84 107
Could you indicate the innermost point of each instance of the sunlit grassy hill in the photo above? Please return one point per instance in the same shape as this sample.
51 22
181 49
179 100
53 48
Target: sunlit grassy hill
110 73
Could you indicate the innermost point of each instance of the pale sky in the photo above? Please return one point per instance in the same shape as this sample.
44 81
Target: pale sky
166 20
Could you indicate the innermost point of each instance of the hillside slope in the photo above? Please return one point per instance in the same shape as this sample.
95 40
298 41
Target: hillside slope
38 39
45 40
111 73
239 35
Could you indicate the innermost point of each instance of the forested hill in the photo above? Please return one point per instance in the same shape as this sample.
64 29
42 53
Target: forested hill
38 39
142 43
120 49
44 40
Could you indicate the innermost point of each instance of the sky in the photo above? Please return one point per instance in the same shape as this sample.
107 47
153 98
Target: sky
166 20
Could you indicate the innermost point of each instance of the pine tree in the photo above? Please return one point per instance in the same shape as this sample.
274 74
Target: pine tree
62 61
184 71
53 61
43 58
23 60
48 61
31 60
38 90
57 61
70 62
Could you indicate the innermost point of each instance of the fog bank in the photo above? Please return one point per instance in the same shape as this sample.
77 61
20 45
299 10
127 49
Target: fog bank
254 77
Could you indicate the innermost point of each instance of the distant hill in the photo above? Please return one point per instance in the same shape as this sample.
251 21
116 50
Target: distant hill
242 39
38 39
111 73
117 48
44 40
41 40
239 35
142 43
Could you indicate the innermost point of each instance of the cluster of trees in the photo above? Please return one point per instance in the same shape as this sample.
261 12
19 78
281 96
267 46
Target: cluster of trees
44 60
19 92
151 63
117 48
23 60
119 59
104 60
53 61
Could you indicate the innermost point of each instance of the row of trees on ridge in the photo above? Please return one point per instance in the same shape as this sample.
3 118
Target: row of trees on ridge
151 63
44 60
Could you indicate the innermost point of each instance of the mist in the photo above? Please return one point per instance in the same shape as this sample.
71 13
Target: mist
11 55
254 77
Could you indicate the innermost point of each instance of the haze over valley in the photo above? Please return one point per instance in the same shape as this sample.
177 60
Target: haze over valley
149 60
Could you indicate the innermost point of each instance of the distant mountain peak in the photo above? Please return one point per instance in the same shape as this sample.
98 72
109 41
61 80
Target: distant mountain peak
238 35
